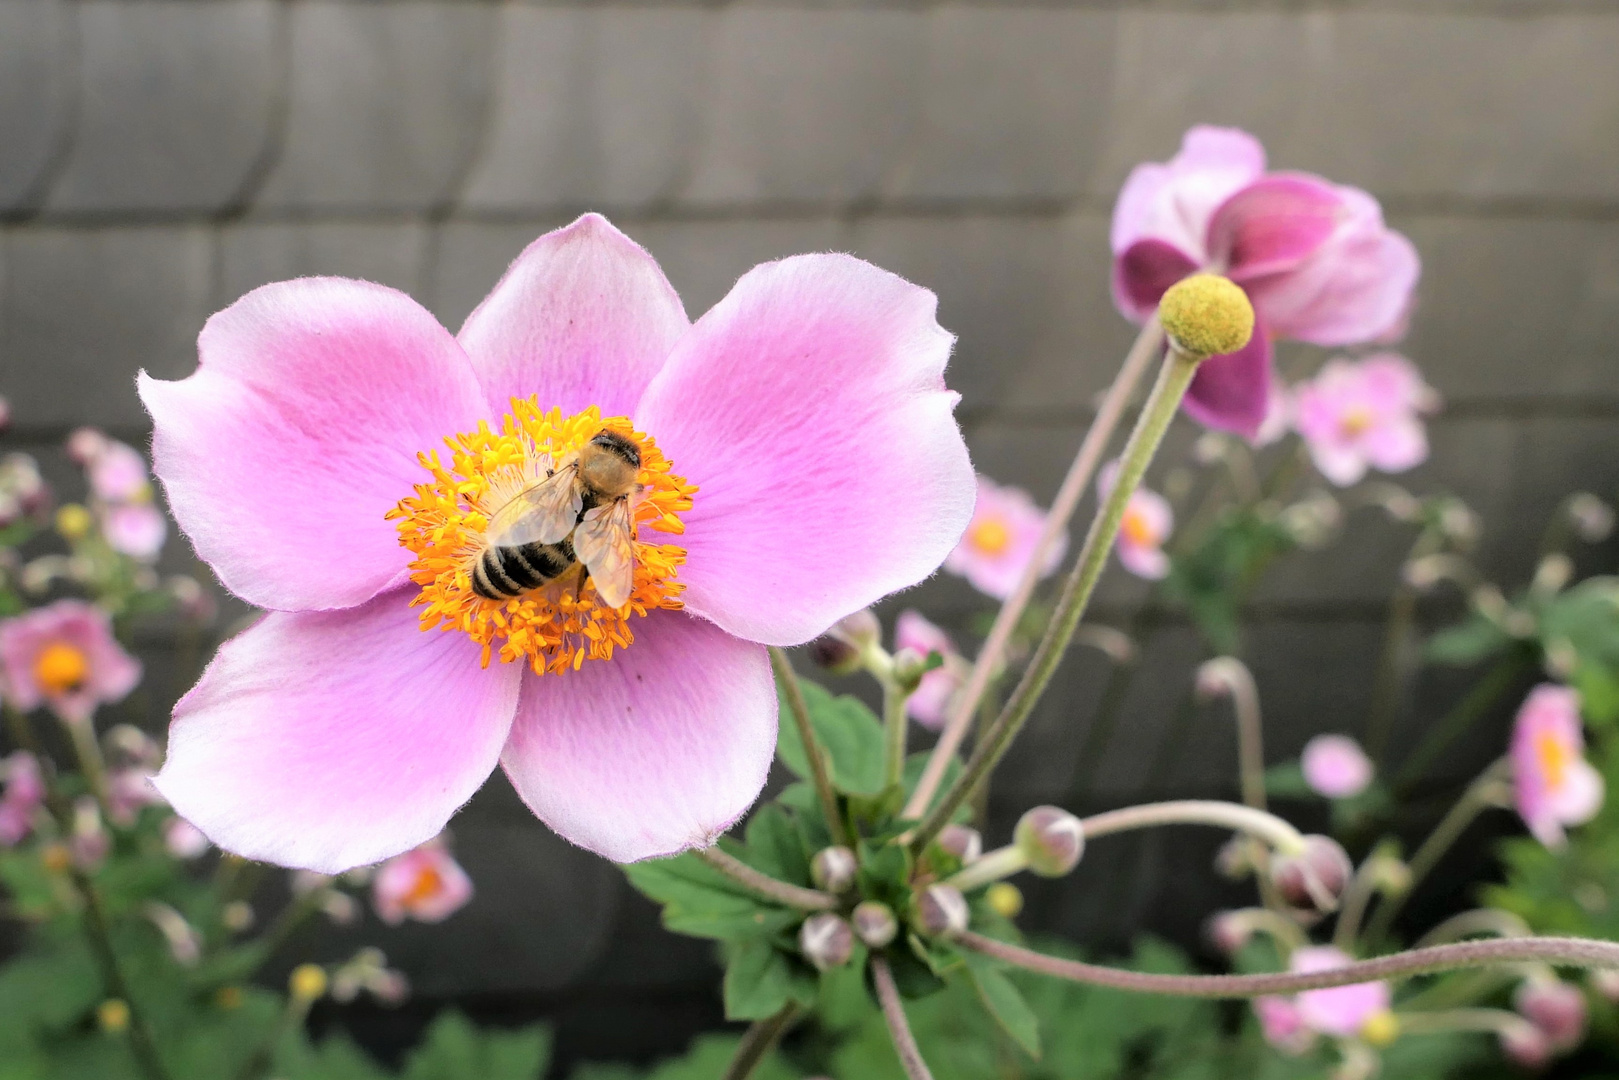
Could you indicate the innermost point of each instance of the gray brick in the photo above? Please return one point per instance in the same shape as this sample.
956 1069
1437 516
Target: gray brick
1521 307
84 309
1012 104
176 104
703 259
594 107
1412 104
387 105
37 63
256 253
807 106
471 257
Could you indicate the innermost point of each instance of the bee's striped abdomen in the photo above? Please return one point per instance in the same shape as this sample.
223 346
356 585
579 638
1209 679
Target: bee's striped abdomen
504 572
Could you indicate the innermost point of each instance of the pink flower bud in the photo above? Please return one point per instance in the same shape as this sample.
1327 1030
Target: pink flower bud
874 923
85 445
1051 839
183 839
1235 859
1555 1007
1315 878
963 842
826 940
1526 1045
841 648
1335 766
939 911
1230 931
834 869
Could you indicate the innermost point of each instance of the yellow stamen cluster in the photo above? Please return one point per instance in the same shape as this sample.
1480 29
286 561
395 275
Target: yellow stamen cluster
61 667
1555 758
990 535
561 624
1207 315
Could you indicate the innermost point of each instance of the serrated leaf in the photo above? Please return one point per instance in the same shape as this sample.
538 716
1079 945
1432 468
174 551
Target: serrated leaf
699 901
849 733
758 980
1003 1001
1468 643
454 1049
775 846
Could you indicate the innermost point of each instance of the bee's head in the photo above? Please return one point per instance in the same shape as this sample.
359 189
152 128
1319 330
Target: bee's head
610 463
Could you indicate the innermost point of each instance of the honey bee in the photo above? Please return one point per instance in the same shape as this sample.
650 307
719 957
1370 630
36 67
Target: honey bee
579 515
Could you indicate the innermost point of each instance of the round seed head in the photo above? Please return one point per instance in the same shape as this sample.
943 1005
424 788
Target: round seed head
1207 315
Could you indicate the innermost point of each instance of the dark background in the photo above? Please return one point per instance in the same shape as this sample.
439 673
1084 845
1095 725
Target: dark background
160 157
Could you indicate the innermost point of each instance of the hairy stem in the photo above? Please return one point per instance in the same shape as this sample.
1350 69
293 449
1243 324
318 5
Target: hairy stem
993 654
1173 379
1486 791
1245 819
910 1057
1434 1022
894 732
793 896
88 752
1561 951
1232 675
788 679
757 1042
1478 921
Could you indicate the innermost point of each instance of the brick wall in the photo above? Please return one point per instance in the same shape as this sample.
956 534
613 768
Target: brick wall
160 157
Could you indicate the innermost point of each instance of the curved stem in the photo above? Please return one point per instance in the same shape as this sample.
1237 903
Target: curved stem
910 1057
1561 951
1156 415
799 708
757 1042
793 896
988 867
1234 816
1357 897
1481 794
1478 921
991 656
1434 1022
1232 675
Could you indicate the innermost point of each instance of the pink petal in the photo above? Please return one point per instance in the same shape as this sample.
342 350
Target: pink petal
1336 766
329 740
1143 272
659 750
584 316
1397 444
1173 201
1338 1010
1355 286
1272 224
1232 392
810 410
1144 562
1341 464
300 429
1580 796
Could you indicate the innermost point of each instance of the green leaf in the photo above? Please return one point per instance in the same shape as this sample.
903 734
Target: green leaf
758 980
699 901
775 846
1285 780
454 1049
1468 643
849 733
1004 1002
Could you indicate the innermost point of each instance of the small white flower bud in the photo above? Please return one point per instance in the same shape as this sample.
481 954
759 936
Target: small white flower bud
834 869
874 923
237 916
1313 879
1553 574
1605 981
965 843
1591 517
1527 1046
1555 1007
1051 839
1234 860
841 649
1459 523
1230 931
909 667
340 907
826 940
939 911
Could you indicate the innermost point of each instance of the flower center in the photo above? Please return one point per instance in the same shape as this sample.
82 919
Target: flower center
1356 421
1137 530
61 667
990 535
1554 758
428 884
519 536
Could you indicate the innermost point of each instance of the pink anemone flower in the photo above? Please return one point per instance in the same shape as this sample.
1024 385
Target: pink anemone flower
425 884
339 457
998 544
1336 766
134 529
1360 414
1148 520
1340 1011
1281 1024
24 795
1314 257
930 704
64 655
1555 786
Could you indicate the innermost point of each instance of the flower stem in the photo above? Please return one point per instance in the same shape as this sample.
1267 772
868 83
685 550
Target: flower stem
1233 676
96 932
793 896
1486 791
1357 897
910 1056
1173 379
1437 1021
1391 663
991 866
788 678
1561 951
88 752
993 654
894 732
1245 819
757 1042
1477 921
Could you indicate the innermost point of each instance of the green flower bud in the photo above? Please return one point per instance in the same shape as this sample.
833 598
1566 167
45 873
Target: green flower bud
1051 839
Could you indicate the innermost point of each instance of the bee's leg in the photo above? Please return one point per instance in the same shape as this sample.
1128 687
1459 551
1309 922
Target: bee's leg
579 584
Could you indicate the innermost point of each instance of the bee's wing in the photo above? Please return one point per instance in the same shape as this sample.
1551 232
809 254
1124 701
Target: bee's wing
544 514
604 543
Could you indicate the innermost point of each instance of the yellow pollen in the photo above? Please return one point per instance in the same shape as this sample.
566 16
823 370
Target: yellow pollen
428 884
1137 529
60 667
990 535
1554 758
562 623
1356 421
